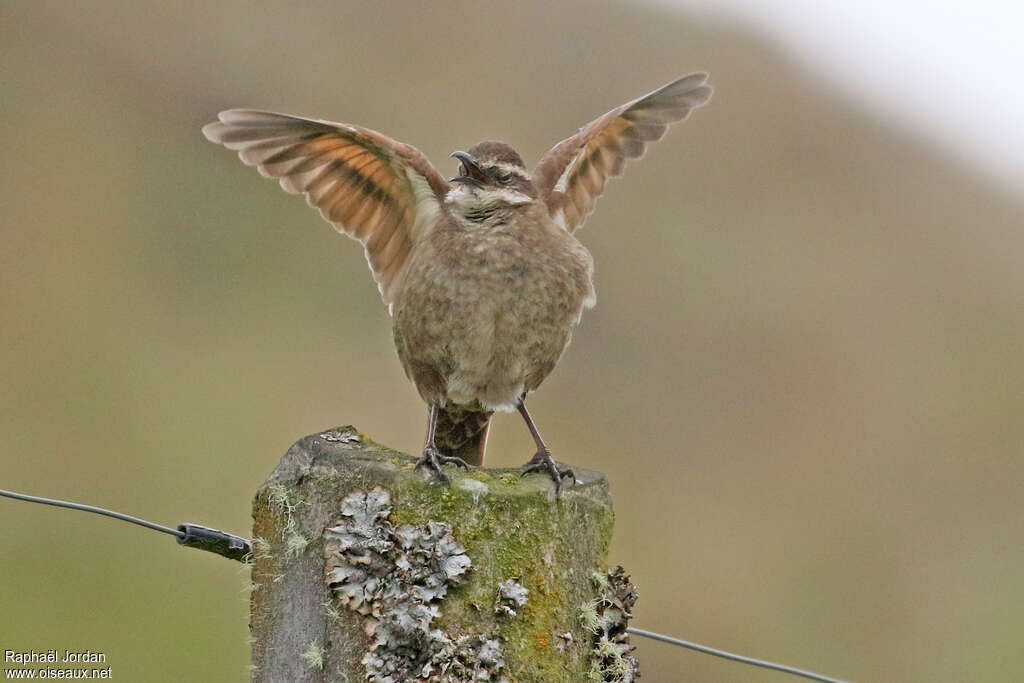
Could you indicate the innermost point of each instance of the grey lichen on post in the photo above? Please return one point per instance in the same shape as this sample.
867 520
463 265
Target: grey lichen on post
396 577
607 617
365 570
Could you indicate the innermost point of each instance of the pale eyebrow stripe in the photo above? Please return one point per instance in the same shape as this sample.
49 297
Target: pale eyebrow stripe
510 168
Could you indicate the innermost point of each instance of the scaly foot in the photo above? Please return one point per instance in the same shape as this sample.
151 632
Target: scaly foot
543 461
433 459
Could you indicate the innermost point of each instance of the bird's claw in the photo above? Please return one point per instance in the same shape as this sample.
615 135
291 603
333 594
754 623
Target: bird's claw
543 461
433 459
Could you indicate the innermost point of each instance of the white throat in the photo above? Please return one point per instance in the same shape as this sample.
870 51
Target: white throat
469 200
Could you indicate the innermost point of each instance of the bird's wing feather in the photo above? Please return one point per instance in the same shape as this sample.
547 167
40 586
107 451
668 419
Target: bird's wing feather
374 189
573 173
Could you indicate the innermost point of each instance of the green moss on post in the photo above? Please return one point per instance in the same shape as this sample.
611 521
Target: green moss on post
307 626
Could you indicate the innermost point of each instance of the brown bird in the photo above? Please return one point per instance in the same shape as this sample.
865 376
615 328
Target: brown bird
482 274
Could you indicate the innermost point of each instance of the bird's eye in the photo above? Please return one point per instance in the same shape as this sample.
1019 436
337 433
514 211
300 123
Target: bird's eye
496 173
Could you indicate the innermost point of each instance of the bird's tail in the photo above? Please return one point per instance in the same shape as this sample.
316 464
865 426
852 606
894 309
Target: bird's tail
463 433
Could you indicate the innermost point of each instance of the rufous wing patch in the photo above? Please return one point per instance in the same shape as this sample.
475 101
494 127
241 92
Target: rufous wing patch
573 174
374 189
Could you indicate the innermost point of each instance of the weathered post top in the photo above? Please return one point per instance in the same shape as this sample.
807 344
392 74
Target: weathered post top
365 570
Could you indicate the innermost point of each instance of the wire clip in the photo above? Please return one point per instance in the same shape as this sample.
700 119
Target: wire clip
214 541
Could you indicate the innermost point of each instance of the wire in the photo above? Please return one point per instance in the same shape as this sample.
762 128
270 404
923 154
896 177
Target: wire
189 535
735 657
93 508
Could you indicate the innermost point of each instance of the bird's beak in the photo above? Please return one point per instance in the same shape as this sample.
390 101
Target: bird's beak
473 174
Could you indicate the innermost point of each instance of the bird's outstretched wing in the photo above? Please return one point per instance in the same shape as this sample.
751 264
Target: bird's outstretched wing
379 191
573 173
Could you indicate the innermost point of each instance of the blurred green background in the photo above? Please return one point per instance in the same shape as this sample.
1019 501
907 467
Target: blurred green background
803 376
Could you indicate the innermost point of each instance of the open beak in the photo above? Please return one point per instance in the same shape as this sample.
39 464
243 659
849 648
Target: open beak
470 170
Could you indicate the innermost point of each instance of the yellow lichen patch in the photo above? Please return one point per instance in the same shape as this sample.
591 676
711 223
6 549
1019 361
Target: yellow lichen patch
314 655
295 544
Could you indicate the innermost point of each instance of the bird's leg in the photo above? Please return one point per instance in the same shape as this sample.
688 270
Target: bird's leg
433 458
542 460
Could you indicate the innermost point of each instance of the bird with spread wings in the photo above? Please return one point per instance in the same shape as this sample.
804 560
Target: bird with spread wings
389 197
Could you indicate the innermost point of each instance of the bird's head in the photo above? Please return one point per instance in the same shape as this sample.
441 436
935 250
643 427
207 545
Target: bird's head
491 177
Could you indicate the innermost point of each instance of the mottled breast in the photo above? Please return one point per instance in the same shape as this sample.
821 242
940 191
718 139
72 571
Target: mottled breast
482 314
